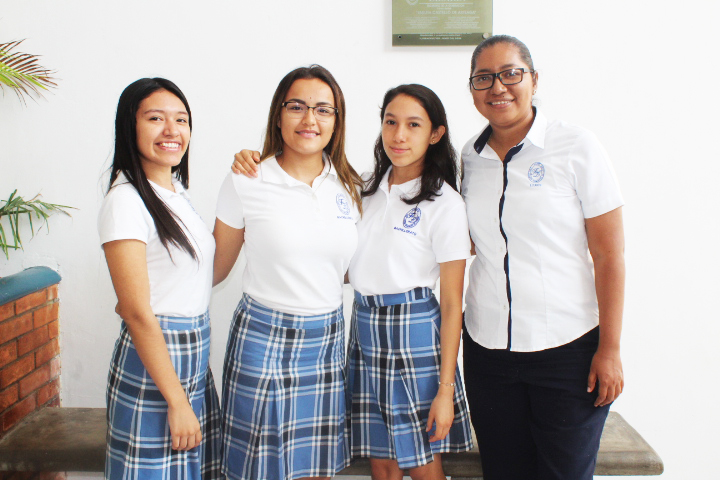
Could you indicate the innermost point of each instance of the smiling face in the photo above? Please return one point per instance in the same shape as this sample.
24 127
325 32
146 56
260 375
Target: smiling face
163 132
407 132
504 106
308 135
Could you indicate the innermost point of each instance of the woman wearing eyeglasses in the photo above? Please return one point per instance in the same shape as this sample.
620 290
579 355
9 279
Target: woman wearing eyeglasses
541 344
283 384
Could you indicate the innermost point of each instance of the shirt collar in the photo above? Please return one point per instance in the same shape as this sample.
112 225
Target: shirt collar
163 192
272 172
408 189
536 135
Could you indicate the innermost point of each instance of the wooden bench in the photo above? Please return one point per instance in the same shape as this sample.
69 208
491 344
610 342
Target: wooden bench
73 439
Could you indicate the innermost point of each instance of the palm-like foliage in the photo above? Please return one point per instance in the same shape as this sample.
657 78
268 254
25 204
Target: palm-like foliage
16 207
21 72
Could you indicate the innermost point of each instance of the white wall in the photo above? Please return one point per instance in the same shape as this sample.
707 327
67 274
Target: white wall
625 69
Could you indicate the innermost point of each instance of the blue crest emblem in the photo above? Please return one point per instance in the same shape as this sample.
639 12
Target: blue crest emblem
536 172
412 218
342 204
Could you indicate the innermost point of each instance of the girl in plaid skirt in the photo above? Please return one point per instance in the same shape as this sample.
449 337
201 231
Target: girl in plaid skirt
283 382
405 391
163 410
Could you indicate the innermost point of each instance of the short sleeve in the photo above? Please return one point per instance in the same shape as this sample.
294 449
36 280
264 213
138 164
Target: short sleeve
450 235
229 206
596 183
123 216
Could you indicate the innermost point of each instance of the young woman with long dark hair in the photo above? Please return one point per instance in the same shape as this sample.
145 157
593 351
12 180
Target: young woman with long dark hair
405 389
283 382
163 410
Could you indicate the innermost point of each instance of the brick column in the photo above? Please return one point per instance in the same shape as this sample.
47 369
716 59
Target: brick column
29 356
29 352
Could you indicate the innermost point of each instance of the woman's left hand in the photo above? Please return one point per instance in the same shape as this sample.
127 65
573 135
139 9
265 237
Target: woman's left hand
441 413
606 370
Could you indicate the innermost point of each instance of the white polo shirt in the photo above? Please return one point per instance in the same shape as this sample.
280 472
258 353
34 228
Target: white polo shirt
298 238
400 245
532 284
179 286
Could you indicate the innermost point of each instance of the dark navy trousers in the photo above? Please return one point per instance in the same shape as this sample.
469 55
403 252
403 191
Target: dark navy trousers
532 415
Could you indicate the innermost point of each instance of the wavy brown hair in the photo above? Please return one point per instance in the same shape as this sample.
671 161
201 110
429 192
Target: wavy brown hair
335 149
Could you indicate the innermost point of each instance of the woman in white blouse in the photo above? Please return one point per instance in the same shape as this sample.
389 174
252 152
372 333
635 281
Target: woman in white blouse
545 296
163 410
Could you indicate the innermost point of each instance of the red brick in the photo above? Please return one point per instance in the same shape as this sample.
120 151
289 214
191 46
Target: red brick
46 392
52 292
10 329
18 412
46 352
34 381
31 300
8 397
54 329
17 370
46 314
8 353
55 402
54 367
7 311
32 340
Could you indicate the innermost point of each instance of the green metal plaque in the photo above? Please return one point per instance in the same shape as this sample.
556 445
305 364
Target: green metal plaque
441 22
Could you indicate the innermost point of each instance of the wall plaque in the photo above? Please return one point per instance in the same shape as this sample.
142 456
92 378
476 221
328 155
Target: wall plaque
441 22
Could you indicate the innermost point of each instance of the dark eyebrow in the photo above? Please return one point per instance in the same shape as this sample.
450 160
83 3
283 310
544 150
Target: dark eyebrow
297 100
157 110
390 114
502 69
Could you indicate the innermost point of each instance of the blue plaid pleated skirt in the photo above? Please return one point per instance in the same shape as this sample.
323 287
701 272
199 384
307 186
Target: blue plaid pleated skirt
139 444
284 400
393 373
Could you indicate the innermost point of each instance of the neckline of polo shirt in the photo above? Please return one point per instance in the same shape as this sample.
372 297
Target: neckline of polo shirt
164 192
272 172
179 190
405 188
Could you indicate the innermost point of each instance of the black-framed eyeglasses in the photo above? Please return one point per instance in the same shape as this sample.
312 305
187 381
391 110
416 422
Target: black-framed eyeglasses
511 76
298 110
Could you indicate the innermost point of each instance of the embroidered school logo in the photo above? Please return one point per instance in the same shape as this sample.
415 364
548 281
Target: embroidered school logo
342 204
412 218
536 172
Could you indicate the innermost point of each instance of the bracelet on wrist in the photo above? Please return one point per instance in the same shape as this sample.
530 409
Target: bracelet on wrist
447 384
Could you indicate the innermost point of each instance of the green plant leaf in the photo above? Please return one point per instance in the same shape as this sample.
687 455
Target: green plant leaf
16 207
22 73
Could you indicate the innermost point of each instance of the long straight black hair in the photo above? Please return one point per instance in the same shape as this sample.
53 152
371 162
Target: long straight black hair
440 159
127 160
